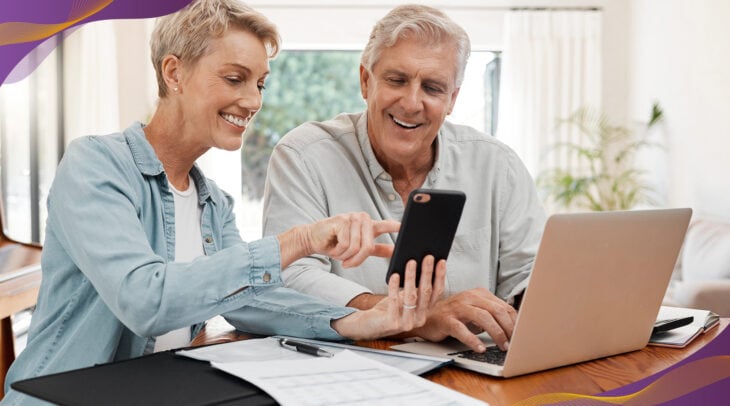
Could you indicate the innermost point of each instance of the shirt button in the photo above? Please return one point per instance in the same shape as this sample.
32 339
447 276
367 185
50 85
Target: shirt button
391 197
208 240
267 277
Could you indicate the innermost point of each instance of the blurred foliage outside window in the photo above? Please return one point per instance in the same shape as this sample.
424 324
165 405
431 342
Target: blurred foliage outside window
303 86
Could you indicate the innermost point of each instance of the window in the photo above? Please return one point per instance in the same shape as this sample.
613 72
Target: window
304 85
31 143
318 85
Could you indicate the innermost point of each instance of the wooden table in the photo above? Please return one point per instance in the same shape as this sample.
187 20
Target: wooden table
588 378
20 279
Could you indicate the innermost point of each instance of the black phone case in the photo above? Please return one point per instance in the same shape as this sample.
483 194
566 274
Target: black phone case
426 228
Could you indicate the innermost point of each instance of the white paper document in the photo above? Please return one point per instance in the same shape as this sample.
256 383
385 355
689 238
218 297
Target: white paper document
267 349
345 379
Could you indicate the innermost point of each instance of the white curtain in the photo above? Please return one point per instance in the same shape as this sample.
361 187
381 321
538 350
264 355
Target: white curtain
551 67
91 83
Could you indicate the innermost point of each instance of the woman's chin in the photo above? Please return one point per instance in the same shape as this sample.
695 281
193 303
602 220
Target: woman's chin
230 144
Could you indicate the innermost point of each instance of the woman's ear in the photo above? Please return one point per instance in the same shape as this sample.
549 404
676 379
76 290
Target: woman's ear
171 70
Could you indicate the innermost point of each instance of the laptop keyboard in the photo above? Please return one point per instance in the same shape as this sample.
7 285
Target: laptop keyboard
493 355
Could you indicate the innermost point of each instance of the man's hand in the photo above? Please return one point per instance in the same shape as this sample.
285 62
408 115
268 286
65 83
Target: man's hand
402 310
468 313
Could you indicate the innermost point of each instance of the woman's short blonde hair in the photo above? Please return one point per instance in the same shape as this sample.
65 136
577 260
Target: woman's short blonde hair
187 33
422 23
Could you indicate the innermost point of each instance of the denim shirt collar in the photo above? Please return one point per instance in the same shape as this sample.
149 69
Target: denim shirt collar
149 164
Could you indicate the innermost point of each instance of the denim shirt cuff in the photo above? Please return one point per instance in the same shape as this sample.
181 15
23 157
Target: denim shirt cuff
324 330
265 262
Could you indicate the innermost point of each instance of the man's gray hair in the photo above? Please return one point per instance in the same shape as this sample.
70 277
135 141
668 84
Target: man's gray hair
187 33
422 23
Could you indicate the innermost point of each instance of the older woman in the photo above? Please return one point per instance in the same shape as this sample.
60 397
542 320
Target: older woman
141 248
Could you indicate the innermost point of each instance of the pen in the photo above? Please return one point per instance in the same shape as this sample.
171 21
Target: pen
304 347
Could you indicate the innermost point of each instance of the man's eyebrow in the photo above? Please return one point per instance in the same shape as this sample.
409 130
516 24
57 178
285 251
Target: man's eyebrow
437 82
394 72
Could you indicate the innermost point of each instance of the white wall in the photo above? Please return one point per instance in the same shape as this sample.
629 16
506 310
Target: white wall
679 54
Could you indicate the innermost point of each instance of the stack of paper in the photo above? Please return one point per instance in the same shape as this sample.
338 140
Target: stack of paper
353 376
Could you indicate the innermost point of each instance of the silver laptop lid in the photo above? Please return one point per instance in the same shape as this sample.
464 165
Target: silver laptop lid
596 286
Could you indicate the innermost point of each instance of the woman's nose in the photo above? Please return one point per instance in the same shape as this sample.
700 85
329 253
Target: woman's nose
251 98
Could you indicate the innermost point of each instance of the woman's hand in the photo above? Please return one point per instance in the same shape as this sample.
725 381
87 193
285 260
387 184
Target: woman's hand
402 310
349 238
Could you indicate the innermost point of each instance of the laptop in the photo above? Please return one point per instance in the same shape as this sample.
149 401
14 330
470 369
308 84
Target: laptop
596 287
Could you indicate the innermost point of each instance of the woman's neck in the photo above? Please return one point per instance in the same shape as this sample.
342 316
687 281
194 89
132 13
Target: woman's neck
176 151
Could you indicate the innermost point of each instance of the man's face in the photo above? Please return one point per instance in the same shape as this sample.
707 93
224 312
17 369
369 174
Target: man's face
409 93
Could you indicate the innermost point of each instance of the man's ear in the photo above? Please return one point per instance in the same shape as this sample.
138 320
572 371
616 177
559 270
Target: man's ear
364 77
453 100
171 69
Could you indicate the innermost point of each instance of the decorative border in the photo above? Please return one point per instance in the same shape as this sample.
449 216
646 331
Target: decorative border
702 378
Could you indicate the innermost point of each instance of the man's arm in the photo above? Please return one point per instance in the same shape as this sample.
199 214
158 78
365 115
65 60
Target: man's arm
294 196
521 223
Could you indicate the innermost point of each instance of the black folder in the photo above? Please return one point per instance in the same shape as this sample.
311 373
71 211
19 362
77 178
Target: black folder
158 379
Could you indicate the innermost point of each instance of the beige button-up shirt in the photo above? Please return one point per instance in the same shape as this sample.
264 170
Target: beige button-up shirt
321 169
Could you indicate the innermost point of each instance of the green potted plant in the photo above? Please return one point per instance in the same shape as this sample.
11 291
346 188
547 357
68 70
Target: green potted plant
607 177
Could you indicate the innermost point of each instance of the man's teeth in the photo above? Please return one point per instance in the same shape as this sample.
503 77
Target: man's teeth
235 120
404 124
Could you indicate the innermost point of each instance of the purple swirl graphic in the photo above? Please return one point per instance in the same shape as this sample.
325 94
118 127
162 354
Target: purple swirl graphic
25 24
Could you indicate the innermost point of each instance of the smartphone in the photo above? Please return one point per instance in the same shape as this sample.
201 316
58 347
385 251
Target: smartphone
428 227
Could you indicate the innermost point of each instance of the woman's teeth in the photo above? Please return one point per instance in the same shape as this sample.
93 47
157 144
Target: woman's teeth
235 120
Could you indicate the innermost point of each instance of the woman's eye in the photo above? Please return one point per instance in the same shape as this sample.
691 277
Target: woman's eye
233 79
262 87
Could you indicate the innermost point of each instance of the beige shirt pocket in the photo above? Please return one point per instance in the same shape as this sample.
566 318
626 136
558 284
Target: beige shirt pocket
469 264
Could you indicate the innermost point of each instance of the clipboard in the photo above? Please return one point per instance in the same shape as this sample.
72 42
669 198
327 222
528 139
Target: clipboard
161 378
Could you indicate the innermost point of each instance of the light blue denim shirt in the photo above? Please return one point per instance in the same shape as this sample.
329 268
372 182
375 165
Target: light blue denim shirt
110 283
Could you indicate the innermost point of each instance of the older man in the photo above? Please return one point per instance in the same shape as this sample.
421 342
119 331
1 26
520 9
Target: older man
410 74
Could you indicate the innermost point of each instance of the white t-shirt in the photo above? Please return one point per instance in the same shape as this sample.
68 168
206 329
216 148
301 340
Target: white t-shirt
188 246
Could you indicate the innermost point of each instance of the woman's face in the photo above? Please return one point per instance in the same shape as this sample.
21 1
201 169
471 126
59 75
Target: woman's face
222 91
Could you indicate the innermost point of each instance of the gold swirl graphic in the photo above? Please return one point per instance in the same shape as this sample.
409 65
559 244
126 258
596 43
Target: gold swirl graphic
674 384
20 32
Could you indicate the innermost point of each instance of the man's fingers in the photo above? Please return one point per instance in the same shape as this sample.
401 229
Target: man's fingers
506 317
485 320
460 332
